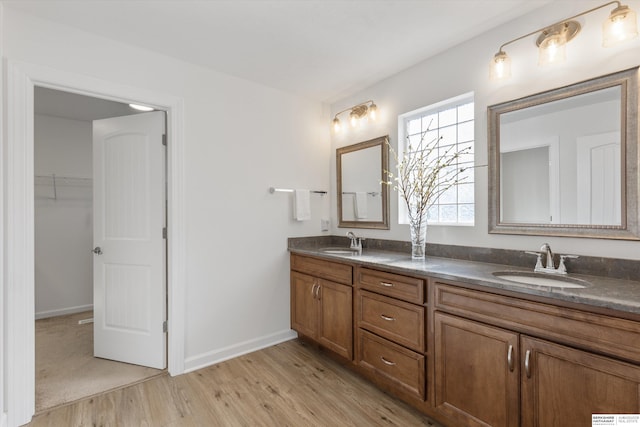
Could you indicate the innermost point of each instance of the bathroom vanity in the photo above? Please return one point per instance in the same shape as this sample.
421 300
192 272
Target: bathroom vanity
467 347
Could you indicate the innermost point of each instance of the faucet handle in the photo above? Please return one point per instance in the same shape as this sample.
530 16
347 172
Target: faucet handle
562 268
538 265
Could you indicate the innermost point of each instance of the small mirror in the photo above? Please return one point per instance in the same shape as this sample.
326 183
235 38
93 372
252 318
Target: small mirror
564 162
363 201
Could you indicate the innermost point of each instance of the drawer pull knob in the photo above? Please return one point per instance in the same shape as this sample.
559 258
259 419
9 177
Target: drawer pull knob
390 319
386 362
388 285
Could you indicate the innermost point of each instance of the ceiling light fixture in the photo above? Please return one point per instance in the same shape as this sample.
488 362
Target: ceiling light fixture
141 107
621 25
358 113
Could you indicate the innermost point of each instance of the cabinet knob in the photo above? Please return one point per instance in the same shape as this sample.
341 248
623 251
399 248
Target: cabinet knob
388 285
390 319
527 364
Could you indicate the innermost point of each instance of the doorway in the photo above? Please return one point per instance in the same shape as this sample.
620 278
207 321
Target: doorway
70 362
18 343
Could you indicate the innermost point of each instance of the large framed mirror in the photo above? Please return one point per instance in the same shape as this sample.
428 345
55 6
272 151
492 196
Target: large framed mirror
565 162
363 201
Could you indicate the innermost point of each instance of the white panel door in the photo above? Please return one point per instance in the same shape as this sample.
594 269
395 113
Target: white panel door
129 257
599 179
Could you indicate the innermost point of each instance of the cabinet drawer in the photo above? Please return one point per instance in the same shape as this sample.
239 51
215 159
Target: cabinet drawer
396 320
341 273
595 332
394 285
401 367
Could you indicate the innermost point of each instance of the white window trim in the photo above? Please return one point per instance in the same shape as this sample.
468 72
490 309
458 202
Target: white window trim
403 215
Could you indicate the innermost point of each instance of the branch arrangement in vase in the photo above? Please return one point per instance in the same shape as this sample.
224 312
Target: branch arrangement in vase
424 172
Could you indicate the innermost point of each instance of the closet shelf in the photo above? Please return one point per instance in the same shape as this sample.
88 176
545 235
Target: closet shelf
55 180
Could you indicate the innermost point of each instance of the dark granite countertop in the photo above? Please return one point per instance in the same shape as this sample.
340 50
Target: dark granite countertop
604 292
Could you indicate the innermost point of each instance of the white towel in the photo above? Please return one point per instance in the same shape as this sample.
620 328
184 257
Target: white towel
301 205
360 205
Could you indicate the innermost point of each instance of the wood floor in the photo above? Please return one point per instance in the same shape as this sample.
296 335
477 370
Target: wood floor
289 384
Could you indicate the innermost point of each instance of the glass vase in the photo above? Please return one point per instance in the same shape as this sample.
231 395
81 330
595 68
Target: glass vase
418 229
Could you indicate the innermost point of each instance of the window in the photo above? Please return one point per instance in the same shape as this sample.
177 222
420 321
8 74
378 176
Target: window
450 123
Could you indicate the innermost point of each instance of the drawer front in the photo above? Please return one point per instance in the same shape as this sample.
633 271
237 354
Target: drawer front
394 285
396 320
401 367
595 332
341 273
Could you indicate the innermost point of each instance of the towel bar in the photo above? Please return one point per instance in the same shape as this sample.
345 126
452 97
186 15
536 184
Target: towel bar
289 190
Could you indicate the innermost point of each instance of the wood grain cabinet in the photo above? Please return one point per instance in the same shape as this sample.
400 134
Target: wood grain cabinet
323 309
467 356
390 330
562 386
476 372
493 376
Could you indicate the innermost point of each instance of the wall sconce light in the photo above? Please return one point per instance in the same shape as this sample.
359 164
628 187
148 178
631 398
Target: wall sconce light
357 114
621 25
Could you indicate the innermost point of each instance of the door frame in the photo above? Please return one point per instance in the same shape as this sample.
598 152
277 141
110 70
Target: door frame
19 260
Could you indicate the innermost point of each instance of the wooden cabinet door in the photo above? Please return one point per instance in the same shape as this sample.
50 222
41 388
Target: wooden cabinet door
304 306
562 386
476 372
335 324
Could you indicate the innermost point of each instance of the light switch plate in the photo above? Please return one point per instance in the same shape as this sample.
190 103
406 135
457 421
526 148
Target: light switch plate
324 225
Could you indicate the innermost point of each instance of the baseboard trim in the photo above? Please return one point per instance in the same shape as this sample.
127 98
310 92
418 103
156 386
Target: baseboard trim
63 311
217 356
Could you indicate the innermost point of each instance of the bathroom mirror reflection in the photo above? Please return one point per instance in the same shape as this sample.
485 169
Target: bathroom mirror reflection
363 201
564 162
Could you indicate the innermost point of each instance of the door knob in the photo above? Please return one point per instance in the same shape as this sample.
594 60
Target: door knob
97 250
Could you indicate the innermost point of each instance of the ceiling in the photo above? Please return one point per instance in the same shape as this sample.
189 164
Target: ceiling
50 102
320 49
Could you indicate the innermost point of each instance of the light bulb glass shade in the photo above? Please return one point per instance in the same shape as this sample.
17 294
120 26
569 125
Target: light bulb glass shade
336 125
621 25
373 111
353 119
552 50
500 66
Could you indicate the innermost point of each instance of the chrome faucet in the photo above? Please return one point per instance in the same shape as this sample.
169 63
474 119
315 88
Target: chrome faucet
356 242
546 249
549 267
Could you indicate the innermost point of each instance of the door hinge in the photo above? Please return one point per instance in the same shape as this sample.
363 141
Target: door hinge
164 139
164 326
164 233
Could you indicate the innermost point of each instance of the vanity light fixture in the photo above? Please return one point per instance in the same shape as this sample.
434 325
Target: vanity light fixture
358 113
621 25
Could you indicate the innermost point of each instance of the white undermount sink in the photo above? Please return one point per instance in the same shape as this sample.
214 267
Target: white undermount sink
339 251
541 279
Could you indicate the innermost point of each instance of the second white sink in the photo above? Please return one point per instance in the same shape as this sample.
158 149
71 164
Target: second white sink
339 251
540 279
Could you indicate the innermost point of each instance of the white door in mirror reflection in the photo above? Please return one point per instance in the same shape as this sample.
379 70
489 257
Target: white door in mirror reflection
599 176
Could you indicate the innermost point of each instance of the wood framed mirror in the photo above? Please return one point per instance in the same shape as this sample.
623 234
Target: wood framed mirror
565 162
363 201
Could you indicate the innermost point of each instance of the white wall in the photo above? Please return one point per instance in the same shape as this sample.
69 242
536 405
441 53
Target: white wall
240 139
63 226
465 68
